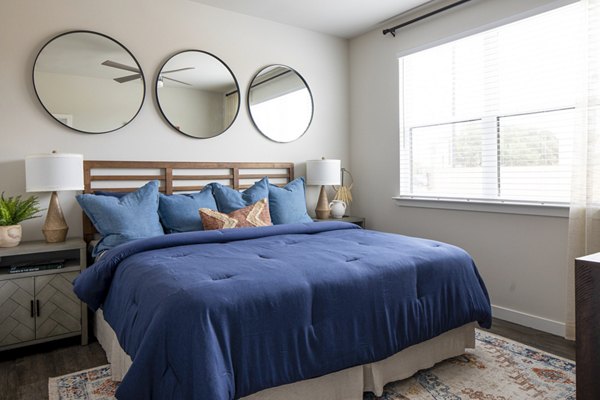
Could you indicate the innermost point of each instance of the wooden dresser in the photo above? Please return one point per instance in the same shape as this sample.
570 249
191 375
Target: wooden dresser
587 298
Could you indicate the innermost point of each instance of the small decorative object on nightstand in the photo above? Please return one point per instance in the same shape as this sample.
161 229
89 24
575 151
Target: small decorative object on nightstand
323 172
49 173
338 208
37 303
360 221
344 192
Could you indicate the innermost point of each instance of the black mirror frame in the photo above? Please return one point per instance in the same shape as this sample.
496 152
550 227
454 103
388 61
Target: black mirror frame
142 77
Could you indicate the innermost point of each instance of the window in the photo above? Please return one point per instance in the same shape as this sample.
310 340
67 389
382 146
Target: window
493 116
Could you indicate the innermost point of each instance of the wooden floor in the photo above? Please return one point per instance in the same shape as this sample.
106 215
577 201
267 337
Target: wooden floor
534 338
24 372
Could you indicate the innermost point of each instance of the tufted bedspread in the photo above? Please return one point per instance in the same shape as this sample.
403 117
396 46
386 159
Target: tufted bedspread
223 314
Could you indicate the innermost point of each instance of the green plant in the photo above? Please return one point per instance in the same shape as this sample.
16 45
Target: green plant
13 210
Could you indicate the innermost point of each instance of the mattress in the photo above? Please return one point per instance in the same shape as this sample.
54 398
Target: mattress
347 384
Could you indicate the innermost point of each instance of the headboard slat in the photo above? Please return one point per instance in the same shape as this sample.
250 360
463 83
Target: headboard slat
168 180
123 171
203 177
259 176
126 177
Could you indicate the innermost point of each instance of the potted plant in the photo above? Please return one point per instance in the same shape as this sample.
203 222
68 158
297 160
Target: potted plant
13 211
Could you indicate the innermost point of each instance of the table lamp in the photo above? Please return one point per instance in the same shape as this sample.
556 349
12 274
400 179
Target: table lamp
50 173
323 172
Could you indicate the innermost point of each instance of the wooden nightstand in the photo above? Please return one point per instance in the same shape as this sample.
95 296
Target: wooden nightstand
39 305
360 221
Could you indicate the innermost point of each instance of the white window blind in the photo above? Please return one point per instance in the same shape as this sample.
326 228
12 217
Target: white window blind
493 116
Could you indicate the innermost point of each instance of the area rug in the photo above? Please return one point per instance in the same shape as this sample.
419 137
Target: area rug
497 369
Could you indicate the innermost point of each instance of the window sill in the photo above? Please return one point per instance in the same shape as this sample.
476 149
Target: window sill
546 210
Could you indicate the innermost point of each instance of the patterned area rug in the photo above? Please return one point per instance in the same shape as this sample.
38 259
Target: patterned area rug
90 384
497 369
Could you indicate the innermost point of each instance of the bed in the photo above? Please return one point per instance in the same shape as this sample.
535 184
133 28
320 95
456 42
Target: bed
295 311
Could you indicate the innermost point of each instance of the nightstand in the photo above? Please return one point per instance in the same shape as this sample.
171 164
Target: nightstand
37 304
360 221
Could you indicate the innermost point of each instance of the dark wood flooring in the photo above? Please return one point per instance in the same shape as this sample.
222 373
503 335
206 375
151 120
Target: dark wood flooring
534 338
24 372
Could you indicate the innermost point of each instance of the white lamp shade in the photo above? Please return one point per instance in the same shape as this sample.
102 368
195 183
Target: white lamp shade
53 172
323 172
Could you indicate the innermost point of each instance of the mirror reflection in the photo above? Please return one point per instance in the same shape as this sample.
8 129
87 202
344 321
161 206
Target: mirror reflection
88 82
280 103
197 94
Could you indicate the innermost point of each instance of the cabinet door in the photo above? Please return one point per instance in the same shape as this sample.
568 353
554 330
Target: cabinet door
58 308
16 322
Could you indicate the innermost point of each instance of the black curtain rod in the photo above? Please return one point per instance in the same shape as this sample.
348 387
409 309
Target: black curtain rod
392 30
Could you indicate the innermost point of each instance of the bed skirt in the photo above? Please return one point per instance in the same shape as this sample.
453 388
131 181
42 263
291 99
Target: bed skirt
347 384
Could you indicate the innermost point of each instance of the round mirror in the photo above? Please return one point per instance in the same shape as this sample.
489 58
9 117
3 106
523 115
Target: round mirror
88 82
280 103
197 94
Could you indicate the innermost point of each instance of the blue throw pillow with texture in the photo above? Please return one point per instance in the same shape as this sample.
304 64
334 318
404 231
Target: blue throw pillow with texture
179 212
121 219
288 204
229 200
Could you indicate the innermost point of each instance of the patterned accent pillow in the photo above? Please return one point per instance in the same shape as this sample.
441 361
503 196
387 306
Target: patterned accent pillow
256 214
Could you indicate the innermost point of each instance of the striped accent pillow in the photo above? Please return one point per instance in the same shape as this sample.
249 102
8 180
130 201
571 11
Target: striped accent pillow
256 214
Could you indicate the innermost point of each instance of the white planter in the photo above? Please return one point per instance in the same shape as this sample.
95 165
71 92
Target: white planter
10 236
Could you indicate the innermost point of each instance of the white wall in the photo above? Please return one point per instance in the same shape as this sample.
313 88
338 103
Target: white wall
153 30
522 258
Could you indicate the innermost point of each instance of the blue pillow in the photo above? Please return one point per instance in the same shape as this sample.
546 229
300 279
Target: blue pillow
229 200
179 212
288 204
119 220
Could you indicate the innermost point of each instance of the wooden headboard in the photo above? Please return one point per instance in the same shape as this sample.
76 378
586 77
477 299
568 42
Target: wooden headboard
175 176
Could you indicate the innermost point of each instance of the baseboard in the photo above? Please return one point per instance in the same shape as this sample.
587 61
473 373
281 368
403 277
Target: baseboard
531 321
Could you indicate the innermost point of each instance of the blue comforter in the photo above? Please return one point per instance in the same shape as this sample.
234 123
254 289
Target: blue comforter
223 314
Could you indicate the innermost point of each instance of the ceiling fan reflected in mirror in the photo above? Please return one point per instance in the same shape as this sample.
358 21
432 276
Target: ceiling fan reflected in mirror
138 74
161 77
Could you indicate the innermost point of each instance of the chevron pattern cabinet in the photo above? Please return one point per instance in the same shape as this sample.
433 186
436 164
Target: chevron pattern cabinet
37 303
